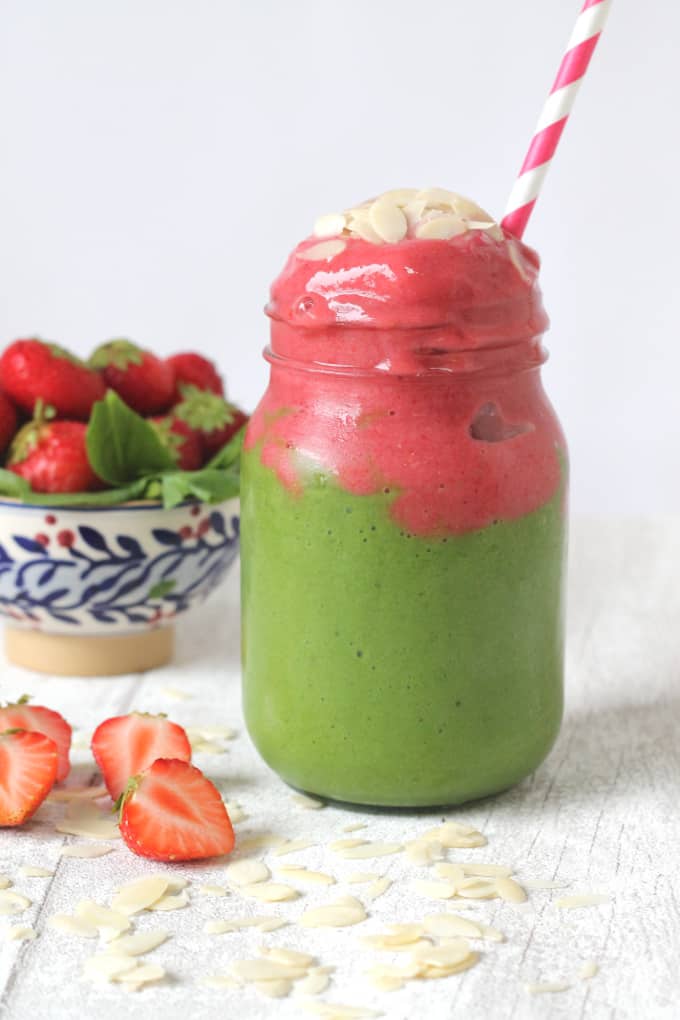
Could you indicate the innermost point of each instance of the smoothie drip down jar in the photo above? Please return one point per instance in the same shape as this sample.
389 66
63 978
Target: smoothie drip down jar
403 521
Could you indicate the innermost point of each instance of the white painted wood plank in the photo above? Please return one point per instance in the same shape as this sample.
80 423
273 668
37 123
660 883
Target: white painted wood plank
601 815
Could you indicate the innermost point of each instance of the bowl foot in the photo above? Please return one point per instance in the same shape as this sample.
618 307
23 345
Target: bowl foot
71 655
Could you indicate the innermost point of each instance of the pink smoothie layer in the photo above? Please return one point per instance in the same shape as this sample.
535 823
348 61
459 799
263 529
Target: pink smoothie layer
426 346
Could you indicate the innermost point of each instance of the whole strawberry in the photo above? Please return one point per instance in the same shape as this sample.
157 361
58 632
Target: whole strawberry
183 442
8 422
194 370
143 381
33 371
52 457
213 417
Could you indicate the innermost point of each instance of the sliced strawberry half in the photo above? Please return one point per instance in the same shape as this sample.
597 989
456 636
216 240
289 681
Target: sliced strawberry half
172 812
128 744
28 770
38 719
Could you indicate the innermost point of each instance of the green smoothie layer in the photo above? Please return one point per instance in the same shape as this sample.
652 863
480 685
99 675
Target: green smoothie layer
395 669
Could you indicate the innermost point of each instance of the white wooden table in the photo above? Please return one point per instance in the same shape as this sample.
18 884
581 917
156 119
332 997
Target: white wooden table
602 814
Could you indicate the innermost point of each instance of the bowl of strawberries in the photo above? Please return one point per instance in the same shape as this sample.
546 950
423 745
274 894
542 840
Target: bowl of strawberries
119 503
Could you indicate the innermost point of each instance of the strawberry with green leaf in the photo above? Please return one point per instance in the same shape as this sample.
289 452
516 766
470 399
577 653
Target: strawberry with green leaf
8 422
33 371
212 417
28 770
181 440
146 383
21 715
193 369
171 812
52 455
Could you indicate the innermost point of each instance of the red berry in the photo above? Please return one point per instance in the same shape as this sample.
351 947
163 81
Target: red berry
213 417
172 812
8 422
185 532
52 457
203 527
33 371
37 719
143 381
50 519
195 511
42 539
194 370
128 744
66 538
28 770
183 442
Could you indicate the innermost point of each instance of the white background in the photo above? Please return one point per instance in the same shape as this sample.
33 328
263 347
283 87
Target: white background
158 159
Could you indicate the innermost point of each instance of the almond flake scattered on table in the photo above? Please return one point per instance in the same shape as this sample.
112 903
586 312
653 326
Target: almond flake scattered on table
12 903
582 900
309 803
31 871
291 846
20 934
340 914
138 943
170 902
133 897
86 850
84 819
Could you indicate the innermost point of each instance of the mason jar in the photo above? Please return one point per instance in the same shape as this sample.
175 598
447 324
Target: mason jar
403 526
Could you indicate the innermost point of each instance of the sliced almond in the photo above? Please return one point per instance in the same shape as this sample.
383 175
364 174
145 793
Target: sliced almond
5 882
436 198
307 802
543 883
19 933
479 888
109 922
213 890
451 926
84 819
484 870
270 892
388 220
367 850
363 876
492 934
246 872
329 225
441 227
103 967
346 844
423 852
354 826
434 890
12 903
265 840
313 984
399 935
288 957
337 1011
29 871
176 693
143 974
455 835
588 970
360 224
293 845
450 955
274 989
265 970
235 812
580 900
376 889
72 926
341 914
139 943
451 872
170 902
140 894
306 876
543 987
236 923
86 850
386 982
510 891
323 251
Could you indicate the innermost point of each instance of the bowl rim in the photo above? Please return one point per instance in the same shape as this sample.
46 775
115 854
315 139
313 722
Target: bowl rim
133 504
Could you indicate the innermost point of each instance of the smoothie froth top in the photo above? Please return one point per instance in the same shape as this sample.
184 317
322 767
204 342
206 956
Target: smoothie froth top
413 259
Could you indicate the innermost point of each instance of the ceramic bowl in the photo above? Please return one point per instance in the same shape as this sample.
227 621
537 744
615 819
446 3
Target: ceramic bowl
96 590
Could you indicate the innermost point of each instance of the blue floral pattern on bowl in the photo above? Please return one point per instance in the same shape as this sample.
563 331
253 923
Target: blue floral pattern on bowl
112 570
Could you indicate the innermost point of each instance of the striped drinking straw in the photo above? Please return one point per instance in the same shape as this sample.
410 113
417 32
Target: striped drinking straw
555 114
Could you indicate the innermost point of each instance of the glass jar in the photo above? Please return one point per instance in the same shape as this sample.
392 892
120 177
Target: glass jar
403 544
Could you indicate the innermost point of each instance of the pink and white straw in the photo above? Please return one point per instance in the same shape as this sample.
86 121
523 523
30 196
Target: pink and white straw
555 114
